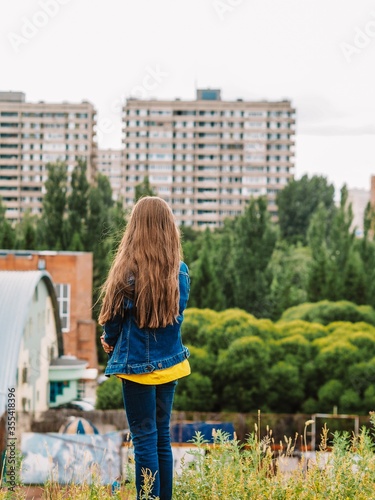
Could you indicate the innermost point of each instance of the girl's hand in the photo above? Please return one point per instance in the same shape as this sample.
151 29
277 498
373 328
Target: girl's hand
107 348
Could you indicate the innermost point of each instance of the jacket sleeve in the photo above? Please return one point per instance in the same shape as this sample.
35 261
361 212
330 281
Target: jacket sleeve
112 329
184 282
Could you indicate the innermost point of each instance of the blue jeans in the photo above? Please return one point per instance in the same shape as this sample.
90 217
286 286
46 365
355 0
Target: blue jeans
148 409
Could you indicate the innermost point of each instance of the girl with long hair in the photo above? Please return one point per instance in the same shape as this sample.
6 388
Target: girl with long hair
144 297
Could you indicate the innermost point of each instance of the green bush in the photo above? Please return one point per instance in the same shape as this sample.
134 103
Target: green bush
335 357
280 398
309 331
325 312
242 372
109 394
195 393
228 326
350 402
241 363
195 323
329 395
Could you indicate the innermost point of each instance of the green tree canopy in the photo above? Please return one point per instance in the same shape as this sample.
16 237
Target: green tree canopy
53 222
243 372
109 395
144 188
7 233
254 241
205 282
326 311
289 268
78 206
298 201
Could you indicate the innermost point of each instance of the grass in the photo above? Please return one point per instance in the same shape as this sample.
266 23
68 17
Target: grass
230 470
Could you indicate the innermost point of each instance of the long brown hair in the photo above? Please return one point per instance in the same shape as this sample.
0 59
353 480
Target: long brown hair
146 267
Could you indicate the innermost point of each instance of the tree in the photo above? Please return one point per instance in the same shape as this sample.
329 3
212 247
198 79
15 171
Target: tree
254 240
109 395
289 268
242 371
317 235
337 271
7 233
53 223
99 204
195 393
366 249
298 201
340 243
191 243
223 263
326 312
77 202
329 395
279 398
205 286
143 189
26 232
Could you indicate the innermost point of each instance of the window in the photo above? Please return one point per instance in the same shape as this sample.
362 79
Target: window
63 298
57 389
24 375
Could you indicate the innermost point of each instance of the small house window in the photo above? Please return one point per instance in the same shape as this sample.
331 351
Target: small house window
63 298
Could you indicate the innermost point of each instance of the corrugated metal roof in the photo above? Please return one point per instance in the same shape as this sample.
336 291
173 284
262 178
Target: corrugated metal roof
16 292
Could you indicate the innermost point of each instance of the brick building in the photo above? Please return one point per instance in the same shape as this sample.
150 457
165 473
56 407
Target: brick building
72 277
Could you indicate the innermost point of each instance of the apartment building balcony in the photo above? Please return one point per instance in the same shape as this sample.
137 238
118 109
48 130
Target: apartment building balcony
204 139
210 194
7 122
9 129
9 141
9 170
9 191
199 129
214 216
12 214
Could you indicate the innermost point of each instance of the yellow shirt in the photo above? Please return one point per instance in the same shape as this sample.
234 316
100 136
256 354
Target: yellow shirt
159 376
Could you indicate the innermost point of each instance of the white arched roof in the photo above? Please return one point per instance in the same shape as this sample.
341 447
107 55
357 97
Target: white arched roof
16 293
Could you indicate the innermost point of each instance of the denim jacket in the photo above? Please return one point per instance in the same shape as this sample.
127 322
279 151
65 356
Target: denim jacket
143 350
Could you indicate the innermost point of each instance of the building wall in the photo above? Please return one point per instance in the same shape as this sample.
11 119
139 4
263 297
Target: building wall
208 157
75 269
38 347
31 136
110 164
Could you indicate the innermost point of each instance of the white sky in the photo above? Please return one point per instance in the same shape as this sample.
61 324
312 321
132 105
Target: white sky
103 51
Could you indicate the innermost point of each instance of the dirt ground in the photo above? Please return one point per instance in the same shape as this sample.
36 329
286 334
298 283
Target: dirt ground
36 493
33 492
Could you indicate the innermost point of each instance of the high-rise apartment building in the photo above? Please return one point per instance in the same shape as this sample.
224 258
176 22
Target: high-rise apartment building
110 163
208 157
33 135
